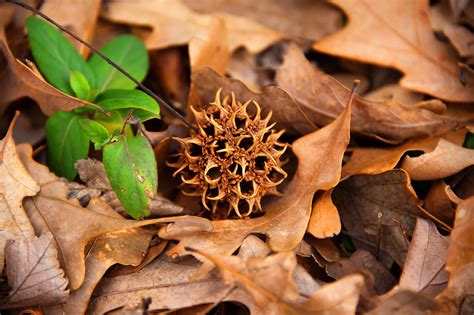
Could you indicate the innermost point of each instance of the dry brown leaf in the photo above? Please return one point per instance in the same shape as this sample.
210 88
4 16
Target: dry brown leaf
445 160
50 210
326 248
460 262
402 41
262 278
324 221
175 24
361 198
301 20
166 281
321 98
15 184
33 272
383 280
461 38
394 92
405 302
423 271
438 201
122 247
80 17
20 81
285 221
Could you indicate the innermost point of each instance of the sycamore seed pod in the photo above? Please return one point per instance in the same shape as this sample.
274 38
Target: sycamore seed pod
234 158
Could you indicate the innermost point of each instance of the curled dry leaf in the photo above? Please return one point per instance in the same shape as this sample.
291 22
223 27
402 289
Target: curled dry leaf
379 209
50 210
80 17
301 20
261 277
383 280
423 271
460 262
33 272
321 98
15 184
428 64
461 38
175 24
319 163
20 81
438 201
445 160
405 302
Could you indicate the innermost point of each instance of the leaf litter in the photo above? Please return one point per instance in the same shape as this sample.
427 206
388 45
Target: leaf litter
375 215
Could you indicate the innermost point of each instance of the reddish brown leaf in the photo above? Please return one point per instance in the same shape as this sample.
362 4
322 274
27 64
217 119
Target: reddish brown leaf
324 221
402 41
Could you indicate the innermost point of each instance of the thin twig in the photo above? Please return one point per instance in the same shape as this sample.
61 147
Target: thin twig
110 62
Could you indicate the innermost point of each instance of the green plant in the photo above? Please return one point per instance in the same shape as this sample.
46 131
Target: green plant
127 155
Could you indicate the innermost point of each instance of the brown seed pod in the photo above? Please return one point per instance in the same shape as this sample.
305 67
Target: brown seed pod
234 158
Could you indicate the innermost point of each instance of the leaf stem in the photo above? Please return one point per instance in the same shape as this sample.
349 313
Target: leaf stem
110 62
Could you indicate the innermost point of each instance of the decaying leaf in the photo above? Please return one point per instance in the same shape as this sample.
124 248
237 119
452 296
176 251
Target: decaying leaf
461 38
33 273
50 210
405 302
175 24
379 209
15 184
320 156
376 35
438 201
423 271
21 81
383 280
445 160
80 17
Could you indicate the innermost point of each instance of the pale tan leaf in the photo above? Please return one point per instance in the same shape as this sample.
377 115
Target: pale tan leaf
405 302
175 24
461 38
376 35
33 272
445 160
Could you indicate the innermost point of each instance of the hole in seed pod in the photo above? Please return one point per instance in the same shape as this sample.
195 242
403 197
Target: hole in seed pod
209 130
243 207
246 188
194 150
260 163
246 143
212 192
214 173
275 176
240 122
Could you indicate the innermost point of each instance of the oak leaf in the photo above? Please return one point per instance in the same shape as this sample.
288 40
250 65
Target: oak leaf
402 41
33 273
381 207
405 302
71 225
175 24
20 81
319 163
15 184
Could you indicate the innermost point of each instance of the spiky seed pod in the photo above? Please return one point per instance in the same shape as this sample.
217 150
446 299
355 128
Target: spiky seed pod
234 158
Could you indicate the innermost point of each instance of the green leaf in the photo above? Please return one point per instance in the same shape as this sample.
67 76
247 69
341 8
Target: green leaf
469 141
80 85
67 142
54 55
128 52
96 132
145 107
131 168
